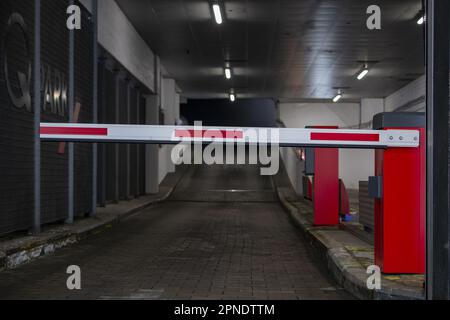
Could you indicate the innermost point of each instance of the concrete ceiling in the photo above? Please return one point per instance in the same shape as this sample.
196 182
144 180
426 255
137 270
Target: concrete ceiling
285 49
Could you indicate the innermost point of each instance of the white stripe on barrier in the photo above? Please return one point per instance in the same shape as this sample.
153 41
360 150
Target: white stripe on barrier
281 136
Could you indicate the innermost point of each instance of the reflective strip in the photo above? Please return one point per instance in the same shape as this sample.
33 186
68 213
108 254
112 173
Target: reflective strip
75 131
316 136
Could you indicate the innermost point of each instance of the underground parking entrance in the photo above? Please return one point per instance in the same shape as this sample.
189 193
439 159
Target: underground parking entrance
222 233
369 206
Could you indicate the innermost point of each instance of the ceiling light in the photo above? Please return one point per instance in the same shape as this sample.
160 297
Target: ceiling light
421 20
228 73
232 97
217 13
363 73
337 97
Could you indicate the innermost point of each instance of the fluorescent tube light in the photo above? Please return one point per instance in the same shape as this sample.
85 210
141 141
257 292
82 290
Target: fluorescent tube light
228 73
363 73
337 98
217 13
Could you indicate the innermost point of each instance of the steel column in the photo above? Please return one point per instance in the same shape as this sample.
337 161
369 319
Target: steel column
128 149
101 183
116 153
138 149
71 101
438 38
36 226
94 104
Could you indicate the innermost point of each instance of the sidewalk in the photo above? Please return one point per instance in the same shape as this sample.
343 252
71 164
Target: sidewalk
23 249
346 255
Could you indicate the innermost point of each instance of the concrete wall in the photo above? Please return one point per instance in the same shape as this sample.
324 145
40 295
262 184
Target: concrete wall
409 98
294 168
170 104
356 165
299 115
369 108
117 35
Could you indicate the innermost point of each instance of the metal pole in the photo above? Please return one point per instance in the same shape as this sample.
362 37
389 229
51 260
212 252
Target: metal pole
437 16
128 149
430 136
138 148
94 104
103 112
70 209
116 147
36 228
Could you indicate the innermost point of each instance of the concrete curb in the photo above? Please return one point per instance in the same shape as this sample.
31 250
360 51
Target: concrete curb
16 252
344 268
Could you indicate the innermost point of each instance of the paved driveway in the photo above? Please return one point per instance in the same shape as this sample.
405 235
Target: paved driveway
239 246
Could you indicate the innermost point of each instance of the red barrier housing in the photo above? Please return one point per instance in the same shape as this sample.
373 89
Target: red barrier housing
326 184
326 187
400 211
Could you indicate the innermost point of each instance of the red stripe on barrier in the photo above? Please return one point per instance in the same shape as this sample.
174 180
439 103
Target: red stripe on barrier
209 134
322 136
74 131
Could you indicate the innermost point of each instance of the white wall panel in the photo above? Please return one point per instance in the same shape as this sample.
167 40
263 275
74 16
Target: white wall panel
369 108
409 93
118 36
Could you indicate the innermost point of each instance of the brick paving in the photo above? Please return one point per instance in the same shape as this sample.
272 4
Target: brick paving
184 250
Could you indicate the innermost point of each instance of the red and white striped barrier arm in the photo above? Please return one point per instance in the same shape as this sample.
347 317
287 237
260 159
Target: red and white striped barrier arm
281 136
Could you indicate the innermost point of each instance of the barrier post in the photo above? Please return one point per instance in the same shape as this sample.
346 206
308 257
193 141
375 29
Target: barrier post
326 184
399 191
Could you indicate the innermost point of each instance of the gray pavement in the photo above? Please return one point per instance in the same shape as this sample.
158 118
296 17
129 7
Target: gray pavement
236 248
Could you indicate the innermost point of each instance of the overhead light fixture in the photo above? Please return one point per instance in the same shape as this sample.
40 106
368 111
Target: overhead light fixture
337 97
421 20
217 13
420 17
363 73
228 73
232 97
